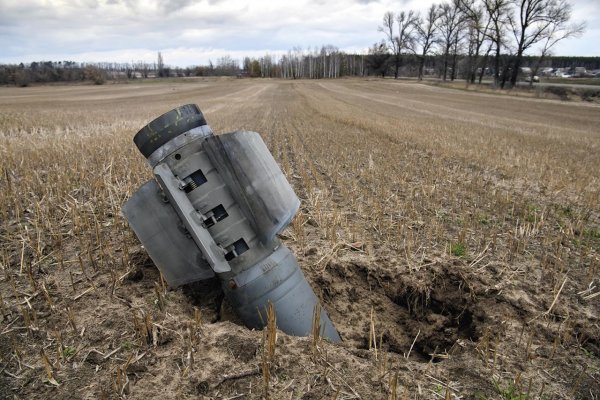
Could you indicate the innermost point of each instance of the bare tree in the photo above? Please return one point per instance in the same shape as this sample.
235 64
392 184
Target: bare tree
558 30
403 39
426 35
449 24
143 68
390 39
497 12
95 74
534 22
478 26
377 60
161 65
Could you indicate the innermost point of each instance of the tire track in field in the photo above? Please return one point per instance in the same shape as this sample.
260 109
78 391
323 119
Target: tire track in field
238 98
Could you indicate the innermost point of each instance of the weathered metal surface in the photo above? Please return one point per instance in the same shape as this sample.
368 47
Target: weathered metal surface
255 181
173 251
227 199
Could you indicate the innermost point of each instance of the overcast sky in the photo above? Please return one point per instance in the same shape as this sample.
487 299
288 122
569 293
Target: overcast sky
190 32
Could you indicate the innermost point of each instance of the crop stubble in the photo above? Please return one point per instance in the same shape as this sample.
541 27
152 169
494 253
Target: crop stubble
453 237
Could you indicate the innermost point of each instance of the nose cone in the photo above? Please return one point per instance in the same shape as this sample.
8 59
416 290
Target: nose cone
168 126
279 280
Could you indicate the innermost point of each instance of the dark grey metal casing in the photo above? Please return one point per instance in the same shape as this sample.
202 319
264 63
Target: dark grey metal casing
255 181
166 240
227 199
278 279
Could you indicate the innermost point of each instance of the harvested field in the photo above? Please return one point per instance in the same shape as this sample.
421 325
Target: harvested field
453 237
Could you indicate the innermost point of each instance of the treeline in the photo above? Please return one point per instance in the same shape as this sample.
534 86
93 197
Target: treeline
98 73
483 35
325 63
466 39
329 62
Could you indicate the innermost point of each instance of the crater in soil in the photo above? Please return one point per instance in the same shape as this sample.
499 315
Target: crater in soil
427 315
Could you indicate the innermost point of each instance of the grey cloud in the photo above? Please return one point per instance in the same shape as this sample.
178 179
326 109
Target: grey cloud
30 28
175 5
33 27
